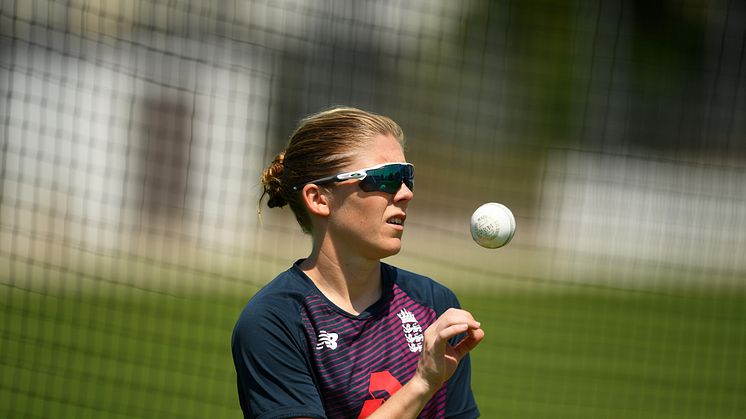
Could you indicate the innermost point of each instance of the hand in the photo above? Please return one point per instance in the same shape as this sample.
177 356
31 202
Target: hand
439 359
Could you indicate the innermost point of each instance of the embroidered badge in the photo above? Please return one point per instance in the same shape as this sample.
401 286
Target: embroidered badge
412 330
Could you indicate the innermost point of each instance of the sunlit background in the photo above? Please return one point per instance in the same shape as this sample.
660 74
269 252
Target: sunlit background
134 132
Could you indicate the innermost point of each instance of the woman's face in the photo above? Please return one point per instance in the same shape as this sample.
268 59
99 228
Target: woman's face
369 224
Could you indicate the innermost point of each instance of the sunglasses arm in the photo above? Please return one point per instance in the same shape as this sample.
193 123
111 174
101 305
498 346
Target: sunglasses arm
360 174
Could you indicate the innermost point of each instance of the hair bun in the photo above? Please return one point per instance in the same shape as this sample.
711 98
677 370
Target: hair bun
272 181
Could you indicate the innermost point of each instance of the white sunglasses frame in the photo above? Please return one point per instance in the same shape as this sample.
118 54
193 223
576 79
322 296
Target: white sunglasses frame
356 174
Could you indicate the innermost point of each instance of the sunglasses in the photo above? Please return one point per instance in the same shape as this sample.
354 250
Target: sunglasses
386 177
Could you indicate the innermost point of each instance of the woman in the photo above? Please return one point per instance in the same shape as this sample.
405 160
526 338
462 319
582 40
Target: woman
340 332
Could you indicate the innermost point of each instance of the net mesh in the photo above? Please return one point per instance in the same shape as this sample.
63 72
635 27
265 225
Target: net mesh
134 133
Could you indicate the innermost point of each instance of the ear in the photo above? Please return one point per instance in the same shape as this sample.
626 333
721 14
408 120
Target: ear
316 200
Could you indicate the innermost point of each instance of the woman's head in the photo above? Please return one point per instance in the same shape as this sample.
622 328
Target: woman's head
321 146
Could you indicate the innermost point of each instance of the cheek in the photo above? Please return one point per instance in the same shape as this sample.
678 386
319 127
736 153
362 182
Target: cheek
354 218
367 218
363 215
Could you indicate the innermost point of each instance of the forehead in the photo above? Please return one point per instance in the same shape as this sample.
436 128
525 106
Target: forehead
382 149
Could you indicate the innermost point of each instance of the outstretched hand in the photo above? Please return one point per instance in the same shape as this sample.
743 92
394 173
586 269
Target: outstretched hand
439 359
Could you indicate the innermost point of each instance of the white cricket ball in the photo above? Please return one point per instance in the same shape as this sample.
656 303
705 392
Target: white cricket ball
492 225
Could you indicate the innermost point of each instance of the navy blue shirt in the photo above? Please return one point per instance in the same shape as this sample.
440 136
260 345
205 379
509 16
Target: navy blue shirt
299 355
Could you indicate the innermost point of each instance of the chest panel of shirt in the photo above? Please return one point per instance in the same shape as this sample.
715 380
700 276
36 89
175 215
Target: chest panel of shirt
345 351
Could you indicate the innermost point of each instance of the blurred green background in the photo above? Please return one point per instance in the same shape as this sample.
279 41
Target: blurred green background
556 351
134 131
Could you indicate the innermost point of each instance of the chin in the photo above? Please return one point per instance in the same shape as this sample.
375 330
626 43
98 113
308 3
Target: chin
390 251
384 252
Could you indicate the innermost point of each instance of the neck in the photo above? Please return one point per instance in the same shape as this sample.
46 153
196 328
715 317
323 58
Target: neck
352 283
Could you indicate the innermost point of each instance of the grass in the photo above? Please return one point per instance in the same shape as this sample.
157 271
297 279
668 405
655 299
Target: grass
550 353
611 355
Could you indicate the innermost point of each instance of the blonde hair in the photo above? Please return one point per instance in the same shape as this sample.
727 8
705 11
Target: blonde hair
322 144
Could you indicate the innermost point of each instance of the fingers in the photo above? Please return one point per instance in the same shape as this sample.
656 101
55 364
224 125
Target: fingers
455 322
456 319
453 331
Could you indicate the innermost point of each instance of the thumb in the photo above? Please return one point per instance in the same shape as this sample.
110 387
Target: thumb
472 339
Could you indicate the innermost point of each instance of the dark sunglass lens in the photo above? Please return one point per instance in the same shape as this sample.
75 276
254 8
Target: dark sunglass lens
388 179
379 182
408 177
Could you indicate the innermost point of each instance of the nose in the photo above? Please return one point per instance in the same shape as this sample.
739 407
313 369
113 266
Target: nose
403 194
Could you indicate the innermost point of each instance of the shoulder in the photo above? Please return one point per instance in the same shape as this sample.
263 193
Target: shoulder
271 352
276 307
422 288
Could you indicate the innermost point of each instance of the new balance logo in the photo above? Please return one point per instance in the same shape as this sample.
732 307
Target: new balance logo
327 339
412 330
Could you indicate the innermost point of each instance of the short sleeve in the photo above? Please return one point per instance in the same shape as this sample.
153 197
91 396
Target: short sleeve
273 373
